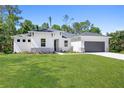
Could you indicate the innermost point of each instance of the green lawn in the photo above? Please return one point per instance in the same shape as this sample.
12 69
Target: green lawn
28 70
122 52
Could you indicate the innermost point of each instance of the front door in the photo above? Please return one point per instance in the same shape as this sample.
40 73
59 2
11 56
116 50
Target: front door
56 45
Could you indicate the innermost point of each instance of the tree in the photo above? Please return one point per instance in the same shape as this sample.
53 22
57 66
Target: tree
85 26
67 28
57 27
116 41
77 27
1 18
64 27
50 21
26 26
9 19
45 26
12 18
95 30
67 20
1 28
88 25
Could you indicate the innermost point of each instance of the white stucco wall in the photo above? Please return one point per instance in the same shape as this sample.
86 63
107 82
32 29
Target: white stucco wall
68 48
78 46
22 46
36 41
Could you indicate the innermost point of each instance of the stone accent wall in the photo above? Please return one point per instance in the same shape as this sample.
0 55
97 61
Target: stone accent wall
42 50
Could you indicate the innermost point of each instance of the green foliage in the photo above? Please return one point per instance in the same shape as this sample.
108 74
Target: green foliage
57 27
95 30
66 28
67 20
117 41
85 26
7 50
45 26
26 26
9 19
77 27
50 21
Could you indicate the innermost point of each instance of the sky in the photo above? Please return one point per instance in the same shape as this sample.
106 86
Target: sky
107 18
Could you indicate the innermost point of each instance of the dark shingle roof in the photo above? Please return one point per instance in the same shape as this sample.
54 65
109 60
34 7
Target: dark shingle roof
67 35
64 33
48 30
90 34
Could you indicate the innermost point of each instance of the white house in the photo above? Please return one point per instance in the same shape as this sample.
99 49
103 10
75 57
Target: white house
47 40
50 40
90 42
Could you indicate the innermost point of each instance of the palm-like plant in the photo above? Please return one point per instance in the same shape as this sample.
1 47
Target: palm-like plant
77 27
50 21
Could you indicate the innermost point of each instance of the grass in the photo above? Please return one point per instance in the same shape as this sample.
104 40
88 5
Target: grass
36 71
122 52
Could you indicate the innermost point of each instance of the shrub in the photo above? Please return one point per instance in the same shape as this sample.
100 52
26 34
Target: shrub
7 50
116 41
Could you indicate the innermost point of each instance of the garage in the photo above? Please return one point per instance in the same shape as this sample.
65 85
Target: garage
94 46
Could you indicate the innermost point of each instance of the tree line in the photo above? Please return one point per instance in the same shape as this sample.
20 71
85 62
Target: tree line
11 24
68 26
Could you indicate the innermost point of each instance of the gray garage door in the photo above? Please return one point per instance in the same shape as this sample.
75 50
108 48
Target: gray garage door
94 46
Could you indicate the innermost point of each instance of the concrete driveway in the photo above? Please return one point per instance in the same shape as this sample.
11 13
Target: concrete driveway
109 54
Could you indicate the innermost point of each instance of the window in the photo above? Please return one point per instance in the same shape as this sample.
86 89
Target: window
43 42
29 40
23 40
60 33
29 34
32 33
18 40
52 34
66 43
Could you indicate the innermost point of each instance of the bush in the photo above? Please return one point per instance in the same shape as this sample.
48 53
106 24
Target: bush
115 48
114 51
116 41
7 50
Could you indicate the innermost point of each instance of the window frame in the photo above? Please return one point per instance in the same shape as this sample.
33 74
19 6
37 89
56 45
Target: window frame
43 43
51 34
23 40
60 33
29 40
18 39
65 43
